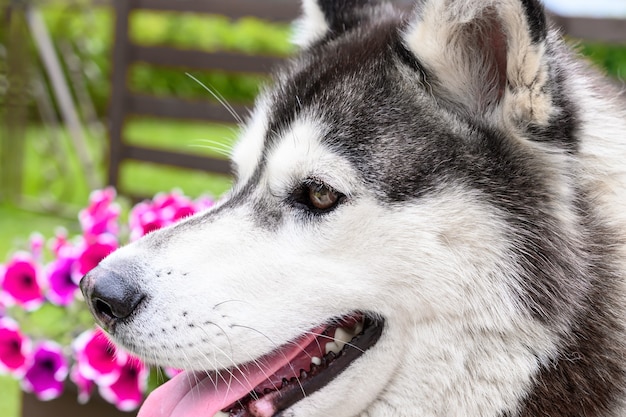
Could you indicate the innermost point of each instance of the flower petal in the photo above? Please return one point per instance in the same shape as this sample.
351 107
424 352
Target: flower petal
14 348
128 390
47 371
97 357
20 280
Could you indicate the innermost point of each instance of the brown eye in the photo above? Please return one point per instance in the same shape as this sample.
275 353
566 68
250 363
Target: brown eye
322 197
315 197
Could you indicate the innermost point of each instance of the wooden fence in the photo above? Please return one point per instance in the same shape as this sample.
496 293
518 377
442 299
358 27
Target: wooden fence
125 102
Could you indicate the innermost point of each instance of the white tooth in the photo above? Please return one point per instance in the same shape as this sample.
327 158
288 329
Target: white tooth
343 336
332 347
358 328
316 361
221 414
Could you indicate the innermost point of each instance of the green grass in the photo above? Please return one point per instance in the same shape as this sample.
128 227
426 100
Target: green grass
18 224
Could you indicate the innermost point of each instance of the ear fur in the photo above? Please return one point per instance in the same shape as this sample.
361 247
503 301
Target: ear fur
484 57
322 18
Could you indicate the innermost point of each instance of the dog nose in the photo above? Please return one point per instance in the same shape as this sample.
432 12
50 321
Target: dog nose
110 296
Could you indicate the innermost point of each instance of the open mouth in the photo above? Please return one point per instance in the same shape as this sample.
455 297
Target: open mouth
272 383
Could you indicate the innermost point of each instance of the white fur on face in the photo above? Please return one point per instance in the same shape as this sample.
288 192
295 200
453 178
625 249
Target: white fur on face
249 148
226 290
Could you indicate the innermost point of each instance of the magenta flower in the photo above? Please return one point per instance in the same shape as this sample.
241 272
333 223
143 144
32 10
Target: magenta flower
14 348
96 362
36 244
101 215
92 251
163 210
173 206
97 358
62 286
127 392
47 371
59 241
143 220
84 384
20 282
203 202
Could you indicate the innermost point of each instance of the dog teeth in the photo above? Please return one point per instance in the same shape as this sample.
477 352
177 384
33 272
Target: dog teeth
342 337
358 328
332 347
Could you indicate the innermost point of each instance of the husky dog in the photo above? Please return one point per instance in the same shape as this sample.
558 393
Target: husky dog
428 219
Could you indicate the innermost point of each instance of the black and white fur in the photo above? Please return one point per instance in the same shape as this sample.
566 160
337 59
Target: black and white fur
483 175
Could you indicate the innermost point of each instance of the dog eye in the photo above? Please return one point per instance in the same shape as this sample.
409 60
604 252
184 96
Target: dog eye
322 197
316 197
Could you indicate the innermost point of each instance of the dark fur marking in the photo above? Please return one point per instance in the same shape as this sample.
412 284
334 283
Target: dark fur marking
407 57
587 378
343 15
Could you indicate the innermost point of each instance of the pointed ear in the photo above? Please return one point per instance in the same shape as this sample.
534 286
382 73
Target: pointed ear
322 18
485 58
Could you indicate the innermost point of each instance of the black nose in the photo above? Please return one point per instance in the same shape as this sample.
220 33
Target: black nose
110 296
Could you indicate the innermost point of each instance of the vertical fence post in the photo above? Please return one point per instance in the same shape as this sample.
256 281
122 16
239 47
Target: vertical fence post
117 109
12 136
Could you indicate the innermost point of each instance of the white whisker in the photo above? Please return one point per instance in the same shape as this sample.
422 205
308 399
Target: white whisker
219 98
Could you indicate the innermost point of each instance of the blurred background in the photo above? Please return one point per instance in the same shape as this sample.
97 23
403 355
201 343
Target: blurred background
146 95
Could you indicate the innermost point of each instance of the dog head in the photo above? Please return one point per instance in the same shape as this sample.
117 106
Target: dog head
369 255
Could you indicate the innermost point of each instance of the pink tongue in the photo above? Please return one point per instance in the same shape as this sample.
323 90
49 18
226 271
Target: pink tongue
203 395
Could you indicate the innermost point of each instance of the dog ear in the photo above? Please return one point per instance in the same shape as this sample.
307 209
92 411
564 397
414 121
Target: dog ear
322 18
484 57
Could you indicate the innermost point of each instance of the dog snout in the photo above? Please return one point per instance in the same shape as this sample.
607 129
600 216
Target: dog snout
111 297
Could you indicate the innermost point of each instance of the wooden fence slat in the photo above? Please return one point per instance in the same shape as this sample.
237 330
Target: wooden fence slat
175 108
285 10
157 156
224 61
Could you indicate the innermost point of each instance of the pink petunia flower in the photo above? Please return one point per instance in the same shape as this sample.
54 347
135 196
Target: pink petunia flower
97 358
84 384
203 202
163 210
47 371
128 390
143 220
173 206
91 252
101 216
20 281
59 242
14 348
62 286
37 242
